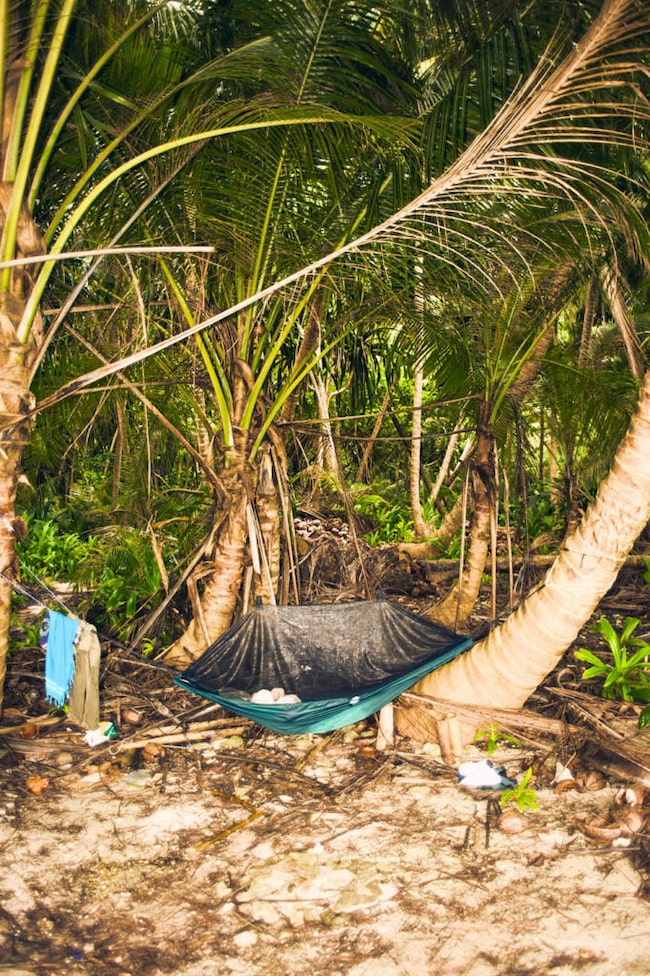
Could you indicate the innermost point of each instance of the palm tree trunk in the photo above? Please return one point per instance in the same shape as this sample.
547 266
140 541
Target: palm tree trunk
456 607
443 471
442 537
327 463
504 669
440 541
223 584
15 400
267 504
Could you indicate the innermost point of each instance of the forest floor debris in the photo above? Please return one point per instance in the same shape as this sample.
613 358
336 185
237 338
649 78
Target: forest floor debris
267 856
198 843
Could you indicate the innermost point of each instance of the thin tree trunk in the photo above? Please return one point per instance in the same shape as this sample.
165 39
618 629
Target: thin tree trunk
505 669
456 607
363 469
328 462
444 468
419 525
268 515
553 470
119 450
404 443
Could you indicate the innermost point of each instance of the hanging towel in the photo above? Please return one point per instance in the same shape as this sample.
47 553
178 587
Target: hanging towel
58 634
84 694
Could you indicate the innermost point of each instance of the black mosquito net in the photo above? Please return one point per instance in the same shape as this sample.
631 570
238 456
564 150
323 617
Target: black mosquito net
321 651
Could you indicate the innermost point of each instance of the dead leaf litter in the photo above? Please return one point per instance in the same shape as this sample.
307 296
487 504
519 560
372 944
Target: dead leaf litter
196 843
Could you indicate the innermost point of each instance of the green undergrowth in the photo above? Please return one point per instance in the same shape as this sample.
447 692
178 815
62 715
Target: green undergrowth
115 571
625 670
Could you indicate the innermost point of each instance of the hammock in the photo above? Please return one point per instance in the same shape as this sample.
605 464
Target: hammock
344 661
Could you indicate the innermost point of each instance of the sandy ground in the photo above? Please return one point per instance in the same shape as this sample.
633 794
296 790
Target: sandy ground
310 855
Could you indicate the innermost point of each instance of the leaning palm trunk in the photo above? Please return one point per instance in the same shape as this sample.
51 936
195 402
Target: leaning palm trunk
454 610
505 668
440 540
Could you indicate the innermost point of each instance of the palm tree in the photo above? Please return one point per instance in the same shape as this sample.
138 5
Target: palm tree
83 161
523 155
45 194
504 669
506 151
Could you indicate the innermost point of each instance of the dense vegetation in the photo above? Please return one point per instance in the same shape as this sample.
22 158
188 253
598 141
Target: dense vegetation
393 263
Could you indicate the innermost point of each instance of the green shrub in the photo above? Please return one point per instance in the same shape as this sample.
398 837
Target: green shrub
52 555
627 676
117 570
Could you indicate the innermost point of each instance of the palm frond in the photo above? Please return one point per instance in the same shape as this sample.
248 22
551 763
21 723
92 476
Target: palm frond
591 93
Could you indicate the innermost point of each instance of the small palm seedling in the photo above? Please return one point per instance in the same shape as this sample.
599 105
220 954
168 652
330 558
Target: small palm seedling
628 675
522 794
492 736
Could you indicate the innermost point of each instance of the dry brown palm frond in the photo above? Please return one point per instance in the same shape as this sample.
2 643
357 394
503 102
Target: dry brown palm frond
624 321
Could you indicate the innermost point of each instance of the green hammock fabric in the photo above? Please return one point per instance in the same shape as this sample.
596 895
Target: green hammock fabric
344 661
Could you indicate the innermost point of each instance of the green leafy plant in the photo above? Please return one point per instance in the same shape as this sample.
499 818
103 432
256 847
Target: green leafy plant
492 736
388 510
127 577
147 647
522 794
51 554
644 718
117 570
23 635
32 633
628 675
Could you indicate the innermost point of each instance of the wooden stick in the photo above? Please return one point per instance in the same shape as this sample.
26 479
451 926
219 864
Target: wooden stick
385 729
169 740
169 734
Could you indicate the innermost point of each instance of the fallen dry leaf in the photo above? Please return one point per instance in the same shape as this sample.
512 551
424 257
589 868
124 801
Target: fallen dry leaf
633 796
36 784
28 731
564 785
590 781
631 822
598 829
